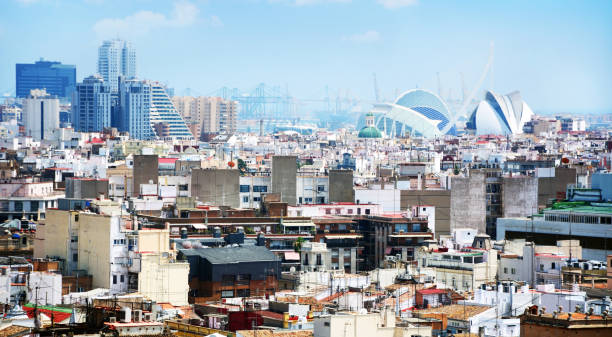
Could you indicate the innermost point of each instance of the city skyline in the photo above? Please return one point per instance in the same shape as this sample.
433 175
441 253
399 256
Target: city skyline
556 54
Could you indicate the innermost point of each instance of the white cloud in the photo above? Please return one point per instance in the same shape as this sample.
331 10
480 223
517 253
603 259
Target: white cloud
393 4
183 14
367 37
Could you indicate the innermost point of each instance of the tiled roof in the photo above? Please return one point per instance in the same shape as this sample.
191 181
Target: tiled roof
458 311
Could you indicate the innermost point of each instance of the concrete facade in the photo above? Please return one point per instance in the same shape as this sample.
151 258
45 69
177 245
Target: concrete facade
440 199
284 174
468 202
79 188
216 186
341 186
519 196
554 185
145 170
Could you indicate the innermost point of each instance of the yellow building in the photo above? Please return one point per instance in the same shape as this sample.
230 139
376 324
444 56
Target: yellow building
118 259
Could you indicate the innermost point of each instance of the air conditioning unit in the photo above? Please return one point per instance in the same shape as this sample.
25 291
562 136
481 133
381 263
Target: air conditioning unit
112 319
148 317
137 315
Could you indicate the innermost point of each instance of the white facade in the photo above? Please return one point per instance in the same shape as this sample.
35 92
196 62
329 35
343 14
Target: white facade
500 114
44 288
40 114
116 58
334 209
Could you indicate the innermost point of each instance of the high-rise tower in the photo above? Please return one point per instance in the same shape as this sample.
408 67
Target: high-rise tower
91 106
116 58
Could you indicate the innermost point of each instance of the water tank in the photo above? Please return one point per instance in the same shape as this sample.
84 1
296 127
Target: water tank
261 239
183 233
217 232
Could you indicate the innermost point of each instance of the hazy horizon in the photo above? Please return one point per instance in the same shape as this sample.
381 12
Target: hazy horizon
557 54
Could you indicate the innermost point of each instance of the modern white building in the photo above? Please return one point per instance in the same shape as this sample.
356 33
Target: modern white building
116 58
40 114
500 114
414 112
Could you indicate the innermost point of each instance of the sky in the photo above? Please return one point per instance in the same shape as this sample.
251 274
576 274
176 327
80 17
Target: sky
557 53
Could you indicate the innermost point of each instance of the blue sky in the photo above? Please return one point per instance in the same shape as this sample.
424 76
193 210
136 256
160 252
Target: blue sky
557 53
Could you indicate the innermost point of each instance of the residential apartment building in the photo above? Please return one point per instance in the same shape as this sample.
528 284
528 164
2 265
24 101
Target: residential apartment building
465 269
119 258
40 114
116 58
207 115
590 224
27 198
91 106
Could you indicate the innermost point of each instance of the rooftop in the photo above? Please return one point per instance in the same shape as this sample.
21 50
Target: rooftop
228 255
457 311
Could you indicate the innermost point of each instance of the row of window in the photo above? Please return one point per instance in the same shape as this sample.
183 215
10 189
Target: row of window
256 188
512 270
121 278
591 219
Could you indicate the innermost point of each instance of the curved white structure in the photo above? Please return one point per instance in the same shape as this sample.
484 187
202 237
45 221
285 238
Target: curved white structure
500 114
416 111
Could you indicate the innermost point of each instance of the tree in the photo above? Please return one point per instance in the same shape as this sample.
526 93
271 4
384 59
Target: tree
242 166
297 246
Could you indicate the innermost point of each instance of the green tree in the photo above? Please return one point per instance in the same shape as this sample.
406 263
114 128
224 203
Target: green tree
297 246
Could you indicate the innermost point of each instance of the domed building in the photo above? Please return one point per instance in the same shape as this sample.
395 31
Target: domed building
500 115
369 130
416 112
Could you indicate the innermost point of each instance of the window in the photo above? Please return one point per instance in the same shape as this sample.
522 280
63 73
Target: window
122 279
320 188
350 211
75 257
227 293
367 211
243 293
245 188
243 279
552 265
227 280
114 279
541 267
245 199
74 238
342 227
328 211
319 260
256 199
513 270
505 270
260 188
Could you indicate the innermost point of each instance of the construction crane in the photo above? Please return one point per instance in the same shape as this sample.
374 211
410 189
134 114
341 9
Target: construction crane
376 91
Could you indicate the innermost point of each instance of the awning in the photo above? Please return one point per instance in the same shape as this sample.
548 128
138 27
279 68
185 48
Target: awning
338 236
292 256
299 224
411 235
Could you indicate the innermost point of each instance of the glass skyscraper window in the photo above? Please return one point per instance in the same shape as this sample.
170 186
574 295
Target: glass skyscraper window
56 78
116 58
